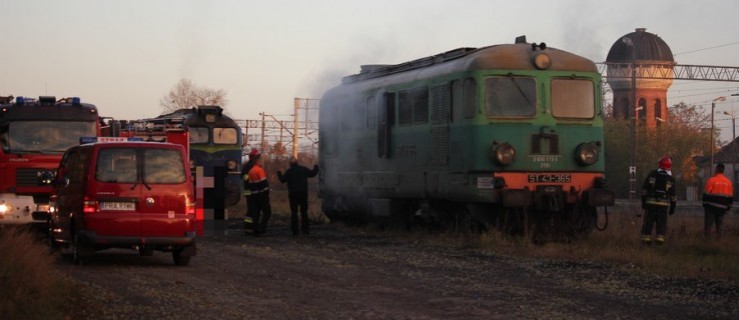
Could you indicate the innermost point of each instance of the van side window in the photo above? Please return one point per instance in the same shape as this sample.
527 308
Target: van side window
116 165
75 167
163 166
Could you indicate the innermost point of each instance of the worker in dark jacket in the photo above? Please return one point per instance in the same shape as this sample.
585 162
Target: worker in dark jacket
658 200
297 187
718 196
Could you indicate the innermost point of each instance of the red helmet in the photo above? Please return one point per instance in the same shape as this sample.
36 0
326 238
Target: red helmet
665 163
254 152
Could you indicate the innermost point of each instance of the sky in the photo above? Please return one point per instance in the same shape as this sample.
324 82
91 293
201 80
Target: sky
125 56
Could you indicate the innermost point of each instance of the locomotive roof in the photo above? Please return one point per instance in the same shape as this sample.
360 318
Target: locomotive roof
517 56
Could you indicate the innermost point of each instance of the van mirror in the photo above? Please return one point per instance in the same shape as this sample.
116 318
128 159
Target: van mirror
64 182
46 178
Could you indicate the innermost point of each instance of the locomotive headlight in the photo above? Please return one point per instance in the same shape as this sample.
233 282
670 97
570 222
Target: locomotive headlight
231 164
504 153
587 153
542 61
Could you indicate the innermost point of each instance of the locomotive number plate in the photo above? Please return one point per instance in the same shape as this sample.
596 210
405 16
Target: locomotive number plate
550 178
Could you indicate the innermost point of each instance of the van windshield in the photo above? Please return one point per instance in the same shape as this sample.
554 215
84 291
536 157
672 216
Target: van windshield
122 165
163 166
117 165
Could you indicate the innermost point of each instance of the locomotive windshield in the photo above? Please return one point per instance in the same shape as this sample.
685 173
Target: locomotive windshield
510 97
200 135
573 98
225 136
44 136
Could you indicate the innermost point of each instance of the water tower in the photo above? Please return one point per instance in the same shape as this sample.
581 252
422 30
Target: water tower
640 51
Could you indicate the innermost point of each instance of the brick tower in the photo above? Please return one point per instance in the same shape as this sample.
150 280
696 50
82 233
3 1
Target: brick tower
643 51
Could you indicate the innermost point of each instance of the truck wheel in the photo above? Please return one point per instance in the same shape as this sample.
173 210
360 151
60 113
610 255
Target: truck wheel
179 259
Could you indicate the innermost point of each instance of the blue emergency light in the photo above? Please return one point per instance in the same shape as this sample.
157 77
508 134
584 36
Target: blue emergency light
76 101
20 100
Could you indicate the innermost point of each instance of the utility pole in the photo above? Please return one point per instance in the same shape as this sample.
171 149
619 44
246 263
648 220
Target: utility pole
296 105
263 142
633 110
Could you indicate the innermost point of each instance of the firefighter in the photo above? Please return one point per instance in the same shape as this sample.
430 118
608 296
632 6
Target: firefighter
258 185
658 200
296 178
718 195
253 155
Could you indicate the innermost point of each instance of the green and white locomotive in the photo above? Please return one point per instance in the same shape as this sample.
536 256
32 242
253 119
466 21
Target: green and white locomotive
508 135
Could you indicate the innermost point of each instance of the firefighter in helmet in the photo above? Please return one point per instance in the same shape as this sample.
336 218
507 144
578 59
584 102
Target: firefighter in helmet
658 200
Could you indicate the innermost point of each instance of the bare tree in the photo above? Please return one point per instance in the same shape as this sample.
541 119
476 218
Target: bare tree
186 94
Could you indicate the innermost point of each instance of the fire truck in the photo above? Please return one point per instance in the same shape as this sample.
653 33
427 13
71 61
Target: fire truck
34 134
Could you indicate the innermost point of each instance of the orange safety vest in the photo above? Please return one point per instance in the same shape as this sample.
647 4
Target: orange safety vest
257 180
718 192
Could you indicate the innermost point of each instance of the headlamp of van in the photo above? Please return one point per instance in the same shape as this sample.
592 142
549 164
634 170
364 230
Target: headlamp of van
503 153
5 207
587 153
231 164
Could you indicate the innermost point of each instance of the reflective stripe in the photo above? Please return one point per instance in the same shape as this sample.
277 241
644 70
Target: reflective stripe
657 202
716 205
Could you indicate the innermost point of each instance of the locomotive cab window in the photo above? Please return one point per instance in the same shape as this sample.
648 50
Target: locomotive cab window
573 98
198 135
510 97
225 136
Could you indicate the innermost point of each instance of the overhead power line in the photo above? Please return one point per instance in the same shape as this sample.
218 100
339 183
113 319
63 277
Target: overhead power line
709 48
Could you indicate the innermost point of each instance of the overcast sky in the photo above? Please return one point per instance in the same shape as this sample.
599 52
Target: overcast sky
124 56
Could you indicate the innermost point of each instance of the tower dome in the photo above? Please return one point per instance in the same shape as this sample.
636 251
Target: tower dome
647 47
640 52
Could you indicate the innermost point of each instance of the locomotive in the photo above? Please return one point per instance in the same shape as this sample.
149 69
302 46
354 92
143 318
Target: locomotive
508 135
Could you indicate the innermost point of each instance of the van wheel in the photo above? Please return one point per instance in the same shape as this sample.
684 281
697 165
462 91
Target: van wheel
179 259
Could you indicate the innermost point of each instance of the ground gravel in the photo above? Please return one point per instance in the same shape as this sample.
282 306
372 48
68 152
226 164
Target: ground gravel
341 273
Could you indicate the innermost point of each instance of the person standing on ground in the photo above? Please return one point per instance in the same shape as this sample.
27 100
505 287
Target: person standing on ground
297 187
248 220
259 192
718 195
658 200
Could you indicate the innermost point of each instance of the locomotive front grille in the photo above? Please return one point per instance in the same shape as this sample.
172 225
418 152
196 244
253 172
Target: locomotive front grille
27 177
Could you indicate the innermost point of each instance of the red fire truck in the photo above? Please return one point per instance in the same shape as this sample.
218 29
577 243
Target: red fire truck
34 133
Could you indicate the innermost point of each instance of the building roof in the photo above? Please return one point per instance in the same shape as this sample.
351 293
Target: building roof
647 46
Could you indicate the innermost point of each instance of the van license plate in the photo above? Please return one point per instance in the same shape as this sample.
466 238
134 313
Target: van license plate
118 206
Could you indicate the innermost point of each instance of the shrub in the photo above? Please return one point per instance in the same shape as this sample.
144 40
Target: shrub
29 286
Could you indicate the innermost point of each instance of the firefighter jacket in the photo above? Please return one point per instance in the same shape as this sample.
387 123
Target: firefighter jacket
245 176
257 182
659 190
719 192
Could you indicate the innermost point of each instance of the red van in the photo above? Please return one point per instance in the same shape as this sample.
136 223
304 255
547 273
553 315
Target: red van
135 195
